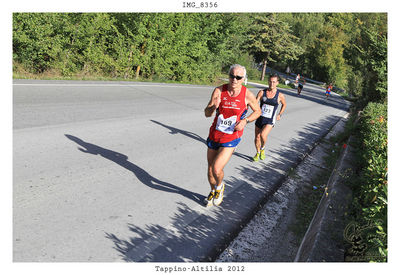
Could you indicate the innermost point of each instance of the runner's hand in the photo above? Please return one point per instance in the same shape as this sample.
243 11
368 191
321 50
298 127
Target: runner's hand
240 125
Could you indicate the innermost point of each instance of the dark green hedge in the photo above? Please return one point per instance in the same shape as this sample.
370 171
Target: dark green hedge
370 189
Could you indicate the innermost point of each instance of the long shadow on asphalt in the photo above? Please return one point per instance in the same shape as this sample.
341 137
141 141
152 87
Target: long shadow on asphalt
140 173
194 136
206 234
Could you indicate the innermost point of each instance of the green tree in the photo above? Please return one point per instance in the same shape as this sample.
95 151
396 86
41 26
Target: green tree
271 39
328 55
366 53
375 66
182 46
33 40
307 27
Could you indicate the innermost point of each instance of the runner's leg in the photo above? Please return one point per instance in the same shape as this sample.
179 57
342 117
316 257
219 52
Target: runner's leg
257 138
211 155
220 160
264 134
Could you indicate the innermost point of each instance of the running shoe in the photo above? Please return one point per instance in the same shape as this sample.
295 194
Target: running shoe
219 196
262 154
256 157
209 200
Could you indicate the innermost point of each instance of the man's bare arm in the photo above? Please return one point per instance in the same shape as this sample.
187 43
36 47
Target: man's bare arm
282 101
213 103
251 101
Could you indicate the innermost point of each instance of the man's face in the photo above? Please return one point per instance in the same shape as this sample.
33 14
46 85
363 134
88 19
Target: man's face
273 82
234 74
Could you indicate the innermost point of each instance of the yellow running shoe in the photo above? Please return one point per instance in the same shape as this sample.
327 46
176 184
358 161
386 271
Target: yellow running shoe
256 157
219 196
209 200
262 154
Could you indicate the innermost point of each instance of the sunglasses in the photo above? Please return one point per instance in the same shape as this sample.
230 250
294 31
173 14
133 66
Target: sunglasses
236 76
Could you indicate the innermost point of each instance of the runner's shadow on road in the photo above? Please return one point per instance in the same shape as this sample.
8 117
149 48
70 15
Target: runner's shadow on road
201 239
201 236
140 173
194 136
156 243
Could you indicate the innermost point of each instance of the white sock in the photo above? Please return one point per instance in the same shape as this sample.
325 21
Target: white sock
219 187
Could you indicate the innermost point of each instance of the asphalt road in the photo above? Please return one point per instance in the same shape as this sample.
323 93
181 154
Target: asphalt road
116 171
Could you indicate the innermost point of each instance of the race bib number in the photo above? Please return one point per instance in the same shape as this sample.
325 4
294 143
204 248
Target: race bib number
267 110
226 125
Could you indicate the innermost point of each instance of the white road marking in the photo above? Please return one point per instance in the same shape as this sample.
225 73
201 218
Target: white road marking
106 85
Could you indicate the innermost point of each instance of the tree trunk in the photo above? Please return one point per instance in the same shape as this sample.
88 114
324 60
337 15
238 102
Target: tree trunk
137 71
263 69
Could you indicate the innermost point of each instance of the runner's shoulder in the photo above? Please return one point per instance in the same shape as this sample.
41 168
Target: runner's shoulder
217 90
259 93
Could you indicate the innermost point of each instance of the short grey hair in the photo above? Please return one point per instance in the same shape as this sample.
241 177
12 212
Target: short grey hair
238 66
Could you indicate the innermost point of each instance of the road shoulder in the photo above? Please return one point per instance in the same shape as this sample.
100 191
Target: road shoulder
269 236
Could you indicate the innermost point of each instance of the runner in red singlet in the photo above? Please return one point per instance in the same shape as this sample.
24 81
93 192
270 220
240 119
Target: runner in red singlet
230 102
328 91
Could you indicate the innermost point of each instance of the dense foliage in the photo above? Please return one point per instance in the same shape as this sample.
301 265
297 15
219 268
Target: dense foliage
340 48
330 47
346 49
271 39
170 46
370 189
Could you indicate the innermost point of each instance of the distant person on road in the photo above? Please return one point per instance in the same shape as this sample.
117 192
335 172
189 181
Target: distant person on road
328 90
302 82
297 78
269 99
230 102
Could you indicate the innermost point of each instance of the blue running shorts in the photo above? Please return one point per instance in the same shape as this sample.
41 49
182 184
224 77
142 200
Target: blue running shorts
215 145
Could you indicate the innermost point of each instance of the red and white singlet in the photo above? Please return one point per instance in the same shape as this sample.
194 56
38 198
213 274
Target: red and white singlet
230 111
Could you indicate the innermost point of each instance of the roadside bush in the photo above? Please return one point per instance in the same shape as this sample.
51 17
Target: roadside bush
354 83
188 47
370 190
